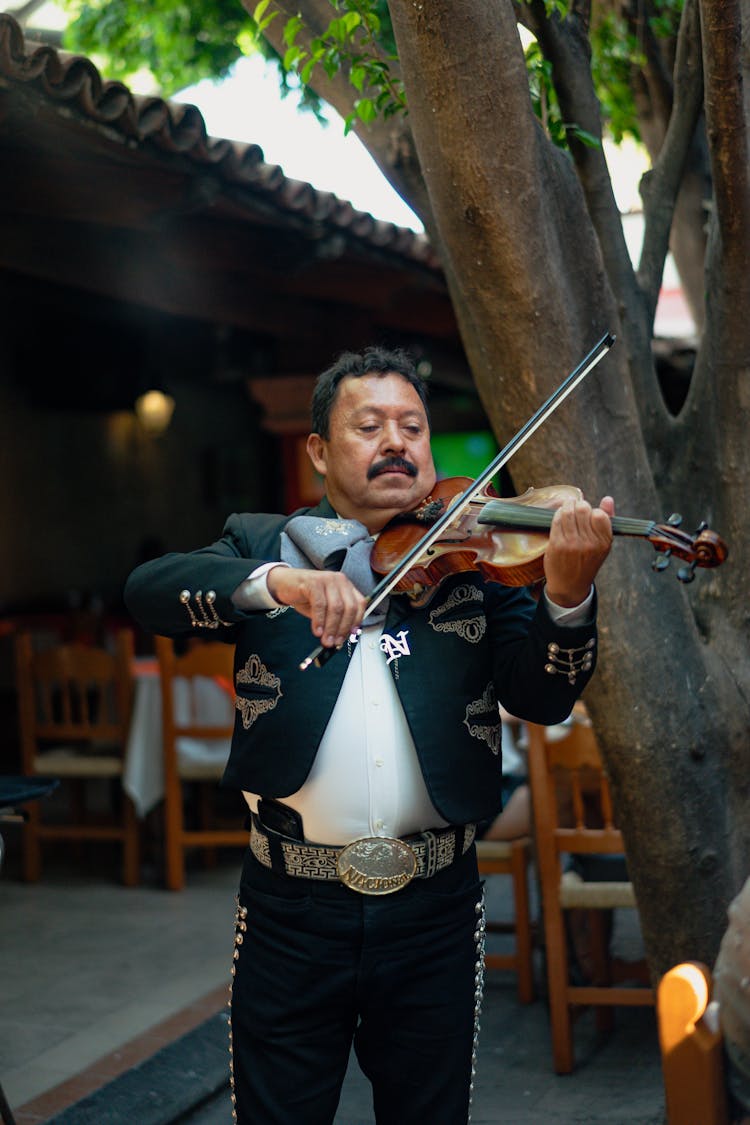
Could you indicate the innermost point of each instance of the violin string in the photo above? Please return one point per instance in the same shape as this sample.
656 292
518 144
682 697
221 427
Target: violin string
519 517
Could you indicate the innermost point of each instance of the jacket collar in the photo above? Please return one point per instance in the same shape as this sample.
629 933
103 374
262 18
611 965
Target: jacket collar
323 509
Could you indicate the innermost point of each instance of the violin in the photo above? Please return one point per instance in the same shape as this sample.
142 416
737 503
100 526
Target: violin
505 539
440 516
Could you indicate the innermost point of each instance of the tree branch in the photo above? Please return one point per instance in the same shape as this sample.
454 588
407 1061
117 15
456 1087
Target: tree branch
529 298
474 64
389 142
723 66
660 186
25 11
725 119
652 85
565 44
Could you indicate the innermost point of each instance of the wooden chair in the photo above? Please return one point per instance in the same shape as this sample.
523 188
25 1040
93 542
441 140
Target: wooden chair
573 814
690 1040
211 660
511 857
74 705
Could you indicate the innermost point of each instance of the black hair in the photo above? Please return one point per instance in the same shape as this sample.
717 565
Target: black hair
372 361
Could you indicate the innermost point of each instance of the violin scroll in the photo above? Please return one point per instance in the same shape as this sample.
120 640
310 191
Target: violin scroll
705 548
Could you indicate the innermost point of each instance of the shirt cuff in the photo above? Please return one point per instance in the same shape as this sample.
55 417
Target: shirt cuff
573 615
253 593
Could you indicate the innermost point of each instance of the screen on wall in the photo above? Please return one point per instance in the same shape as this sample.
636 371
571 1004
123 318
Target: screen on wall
464 454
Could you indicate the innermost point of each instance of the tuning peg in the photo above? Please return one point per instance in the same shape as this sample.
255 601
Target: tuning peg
701 527
661 562
675 519
687 573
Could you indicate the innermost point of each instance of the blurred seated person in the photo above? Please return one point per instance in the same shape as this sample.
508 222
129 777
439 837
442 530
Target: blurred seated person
515 818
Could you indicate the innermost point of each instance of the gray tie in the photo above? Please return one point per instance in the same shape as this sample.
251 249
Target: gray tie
332 544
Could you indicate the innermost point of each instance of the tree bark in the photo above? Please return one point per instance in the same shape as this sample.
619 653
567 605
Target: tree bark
531 292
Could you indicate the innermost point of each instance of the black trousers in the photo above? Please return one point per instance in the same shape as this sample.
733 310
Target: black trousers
319 967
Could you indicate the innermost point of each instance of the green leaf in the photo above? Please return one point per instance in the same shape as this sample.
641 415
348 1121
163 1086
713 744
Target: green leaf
350 21
585 138
306 72
292 29
331 60
260 9
365 109
337 30
357 77
372 21
292 57
265 22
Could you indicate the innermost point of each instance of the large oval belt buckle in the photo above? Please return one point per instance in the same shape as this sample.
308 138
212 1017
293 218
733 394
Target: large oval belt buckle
376 865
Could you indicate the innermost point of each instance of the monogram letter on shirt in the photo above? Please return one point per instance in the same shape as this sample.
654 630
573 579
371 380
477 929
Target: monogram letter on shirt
396 646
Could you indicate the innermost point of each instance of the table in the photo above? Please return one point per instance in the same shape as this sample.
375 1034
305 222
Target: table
204 697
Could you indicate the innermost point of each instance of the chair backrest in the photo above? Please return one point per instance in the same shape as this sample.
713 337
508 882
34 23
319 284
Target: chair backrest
203 660
691 1047
73 693
197 725
571 794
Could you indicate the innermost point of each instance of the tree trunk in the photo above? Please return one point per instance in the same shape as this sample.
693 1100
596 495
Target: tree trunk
528 281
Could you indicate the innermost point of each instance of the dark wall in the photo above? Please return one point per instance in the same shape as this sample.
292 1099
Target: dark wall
85 495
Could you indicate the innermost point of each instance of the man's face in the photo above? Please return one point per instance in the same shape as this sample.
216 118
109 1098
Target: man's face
377 459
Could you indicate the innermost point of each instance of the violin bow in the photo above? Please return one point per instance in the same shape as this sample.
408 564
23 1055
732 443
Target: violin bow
320 655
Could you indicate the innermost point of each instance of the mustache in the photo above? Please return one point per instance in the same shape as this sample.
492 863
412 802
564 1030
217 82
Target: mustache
391 463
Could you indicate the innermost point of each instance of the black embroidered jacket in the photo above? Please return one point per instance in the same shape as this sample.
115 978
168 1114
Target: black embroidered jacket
474 644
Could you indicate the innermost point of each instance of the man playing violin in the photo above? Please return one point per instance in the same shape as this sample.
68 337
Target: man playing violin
360 916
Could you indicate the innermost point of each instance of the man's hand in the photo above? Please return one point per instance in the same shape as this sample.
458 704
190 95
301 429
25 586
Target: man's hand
333 604
579 542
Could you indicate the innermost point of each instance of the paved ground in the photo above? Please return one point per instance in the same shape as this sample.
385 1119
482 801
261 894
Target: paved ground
87 967
617 1083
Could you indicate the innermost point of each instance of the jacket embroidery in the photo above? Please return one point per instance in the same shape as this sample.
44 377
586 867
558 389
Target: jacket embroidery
449 617
257 675
277 612
483 720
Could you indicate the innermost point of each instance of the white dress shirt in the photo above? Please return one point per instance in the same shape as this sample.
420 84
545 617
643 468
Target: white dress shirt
366 779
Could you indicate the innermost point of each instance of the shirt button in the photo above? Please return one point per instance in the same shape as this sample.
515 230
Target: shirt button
378 761
379 824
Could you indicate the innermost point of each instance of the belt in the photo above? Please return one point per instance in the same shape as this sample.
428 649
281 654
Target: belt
374 865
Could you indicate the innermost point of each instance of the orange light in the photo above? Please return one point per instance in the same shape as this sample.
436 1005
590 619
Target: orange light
154 411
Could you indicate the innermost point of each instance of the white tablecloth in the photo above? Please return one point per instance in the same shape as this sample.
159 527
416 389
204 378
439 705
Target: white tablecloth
209 702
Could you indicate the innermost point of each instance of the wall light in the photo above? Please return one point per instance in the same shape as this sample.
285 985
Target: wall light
154 411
